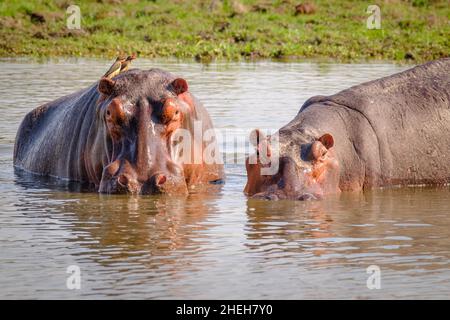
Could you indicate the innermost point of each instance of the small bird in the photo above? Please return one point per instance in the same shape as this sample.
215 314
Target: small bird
125 65
115 68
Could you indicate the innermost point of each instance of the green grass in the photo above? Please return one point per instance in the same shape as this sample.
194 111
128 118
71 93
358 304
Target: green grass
229 30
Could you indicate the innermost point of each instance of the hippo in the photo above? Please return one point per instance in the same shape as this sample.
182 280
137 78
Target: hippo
116 136
394 131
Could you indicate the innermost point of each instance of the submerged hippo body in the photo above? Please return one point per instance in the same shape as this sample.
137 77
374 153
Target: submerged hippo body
391 131
116 136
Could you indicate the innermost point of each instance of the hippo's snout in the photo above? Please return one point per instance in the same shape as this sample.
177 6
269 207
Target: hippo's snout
121 177
158 184
291 183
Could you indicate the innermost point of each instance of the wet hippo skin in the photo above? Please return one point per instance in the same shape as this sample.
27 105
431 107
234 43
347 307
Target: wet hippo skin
391 131
116 136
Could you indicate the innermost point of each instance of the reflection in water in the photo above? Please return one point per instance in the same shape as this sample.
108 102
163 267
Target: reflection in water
218 245
405 232
288 225
353 228
128 234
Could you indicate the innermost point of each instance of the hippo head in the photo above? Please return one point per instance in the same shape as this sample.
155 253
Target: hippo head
307 169
137 113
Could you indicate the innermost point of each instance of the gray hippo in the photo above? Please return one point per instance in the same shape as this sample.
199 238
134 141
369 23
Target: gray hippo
388 132
116 136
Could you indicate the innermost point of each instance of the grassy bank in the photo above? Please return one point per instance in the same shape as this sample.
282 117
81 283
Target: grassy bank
212 29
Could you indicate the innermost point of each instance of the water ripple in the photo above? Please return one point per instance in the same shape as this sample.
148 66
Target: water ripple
214 246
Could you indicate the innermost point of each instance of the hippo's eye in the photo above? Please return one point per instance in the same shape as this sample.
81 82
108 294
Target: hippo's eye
108 113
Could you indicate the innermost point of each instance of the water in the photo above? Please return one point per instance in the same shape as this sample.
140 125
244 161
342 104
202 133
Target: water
213 246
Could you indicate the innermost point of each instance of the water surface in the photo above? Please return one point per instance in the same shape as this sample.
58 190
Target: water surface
219 245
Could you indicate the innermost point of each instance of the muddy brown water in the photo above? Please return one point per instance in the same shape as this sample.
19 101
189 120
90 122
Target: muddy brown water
217 245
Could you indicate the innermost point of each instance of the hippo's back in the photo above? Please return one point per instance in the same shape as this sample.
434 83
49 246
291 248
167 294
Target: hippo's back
409 116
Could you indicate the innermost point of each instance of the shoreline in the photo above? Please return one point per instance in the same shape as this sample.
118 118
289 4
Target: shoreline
252 30
295 60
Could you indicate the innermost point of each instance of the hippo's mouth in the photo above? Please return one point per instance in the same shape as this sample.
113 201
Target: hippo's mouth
283 196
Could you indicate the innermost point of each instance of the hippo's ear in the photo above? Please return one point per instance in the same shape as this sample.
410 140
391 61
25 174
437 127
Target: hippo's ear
327 140
261 143
256 136
320 147
179 86
106 86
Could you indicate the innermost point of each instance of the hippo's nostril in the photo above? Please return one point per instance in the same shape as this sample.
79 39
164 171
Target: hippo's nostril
160 179
122 180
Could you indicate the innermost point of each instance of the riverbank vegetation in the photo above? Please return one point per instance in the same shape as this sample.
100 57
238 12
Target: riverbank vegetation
417 30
